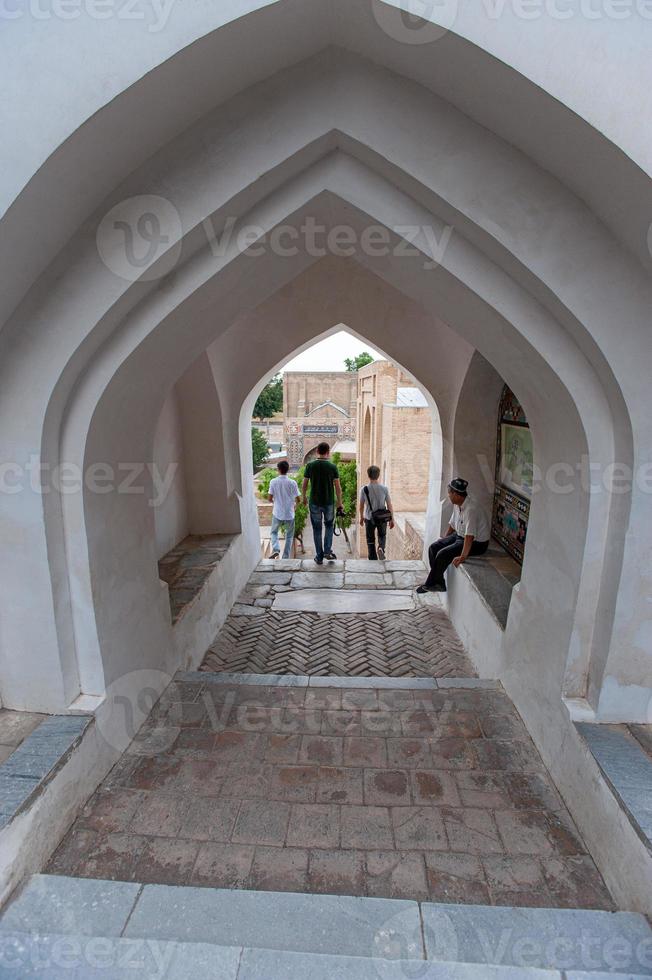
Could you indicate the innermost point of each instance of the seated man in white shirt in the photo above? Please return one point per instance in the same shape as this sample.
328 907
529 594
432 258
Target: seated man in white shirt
284 493
467 534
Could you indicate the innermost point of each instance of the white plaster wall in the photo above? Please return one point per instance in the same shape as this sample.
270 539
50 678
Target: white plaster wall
476 425
621 856
476 625
212 508
171 516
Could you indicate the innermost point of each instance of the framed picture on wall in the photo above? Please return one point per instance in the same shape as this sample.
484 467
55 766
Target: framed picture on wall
516 459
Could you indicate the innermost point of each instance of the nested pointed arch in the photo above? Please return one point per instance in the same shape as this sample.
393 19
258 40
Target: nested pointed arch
501 75
320 294
541 315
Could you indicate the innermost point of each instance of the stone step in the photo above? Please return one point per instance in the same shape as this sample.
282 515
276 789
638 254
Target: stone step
64 957
465 940
56 956
339 681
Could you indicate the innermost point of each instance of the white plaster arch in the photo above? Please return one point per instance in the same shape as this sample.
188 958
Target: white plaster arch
209 52
411 209
117 403
354 317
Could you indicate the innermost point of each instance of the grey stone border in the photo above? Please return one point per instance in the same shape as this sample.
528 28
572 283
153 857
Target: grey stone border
281 924
33 764
627 770
303 680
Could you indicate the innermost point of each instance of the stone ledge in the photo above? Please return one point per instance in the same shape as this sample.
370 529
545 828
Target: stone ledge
186 569
493 575
627 770
37 759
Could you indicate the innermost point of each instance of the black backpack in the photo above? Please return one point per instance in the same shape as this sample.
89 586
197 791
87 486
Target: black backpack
380 516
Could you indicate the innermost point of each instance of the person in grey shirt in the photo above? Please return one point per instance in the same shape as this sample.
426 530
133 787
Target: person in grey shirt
379 499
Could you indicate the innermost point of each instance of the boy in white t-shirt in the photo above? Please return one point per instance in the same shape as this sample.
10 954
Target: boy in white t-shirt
283 493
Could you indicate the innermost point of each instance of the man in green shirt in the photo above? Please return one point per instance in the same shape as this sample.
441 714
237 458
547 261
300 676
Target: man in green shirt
324 479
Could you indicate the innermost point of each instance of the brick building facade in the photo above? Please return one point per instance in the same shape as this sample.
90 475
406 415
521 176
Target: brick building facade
395 433
318 407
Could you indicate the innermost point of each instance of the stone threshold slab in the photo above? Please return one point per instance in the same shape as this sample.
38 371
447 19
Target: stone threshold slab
309 923
458 937
342 601
547 938
303 680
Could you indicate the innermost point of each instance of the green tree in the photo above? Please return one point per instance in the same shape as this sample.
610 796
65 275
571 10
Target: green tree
259 448
357 362
270 400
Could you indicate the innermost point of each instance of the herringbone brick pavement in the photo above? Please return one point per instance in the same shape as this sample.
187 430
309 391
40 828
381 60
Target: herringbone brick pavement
418 643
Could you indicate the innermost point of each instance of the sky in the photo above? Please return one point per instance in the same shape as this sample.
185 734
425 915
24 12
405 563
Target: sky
329 354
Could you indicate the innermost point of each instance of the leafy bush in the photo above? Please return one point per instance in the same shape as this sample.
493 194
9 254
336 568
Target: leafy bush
349 483
265 477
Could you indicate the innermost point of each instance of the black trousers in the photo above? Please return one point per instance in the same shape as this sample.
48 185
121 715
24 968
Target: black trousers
442 552
370 529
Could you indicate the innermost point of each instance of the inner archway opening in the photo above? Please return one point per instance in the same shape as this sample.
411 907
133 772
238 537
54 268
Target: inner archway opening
342 392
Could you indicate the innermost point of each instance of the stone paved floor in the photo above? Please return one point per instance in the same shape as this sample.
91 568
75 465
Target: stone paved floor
420 643
391 793
259 639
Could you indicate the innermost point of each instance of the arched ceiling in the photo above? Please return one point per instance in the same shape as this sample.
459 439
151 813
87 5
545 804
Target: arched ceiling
102 101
